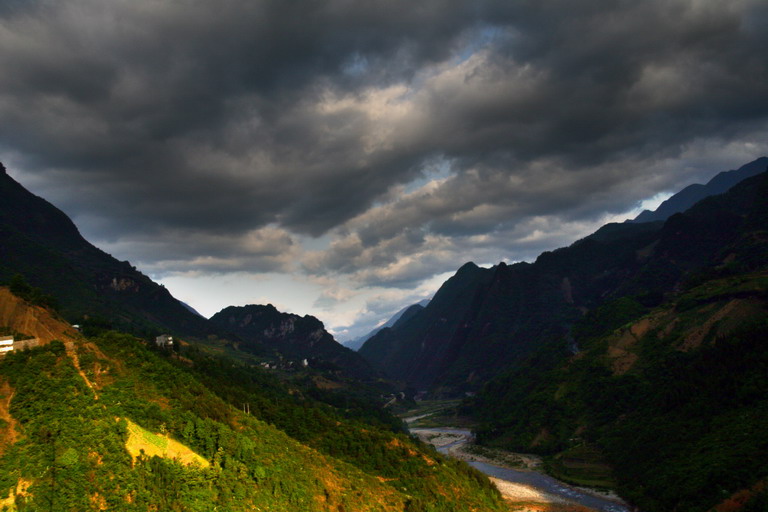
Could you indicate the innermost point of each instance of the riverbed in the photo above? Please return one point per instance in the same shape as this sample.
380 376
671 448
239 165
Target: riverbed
523 483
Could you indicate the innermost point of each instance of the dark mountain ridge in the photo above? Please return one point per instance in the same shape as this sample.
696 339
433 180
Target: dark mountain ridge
692 194
265 330
668 403
38 241
404 313
484 320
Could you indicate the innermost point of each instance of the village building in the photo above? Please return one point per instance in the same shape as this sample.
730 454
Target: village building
6 344
164 340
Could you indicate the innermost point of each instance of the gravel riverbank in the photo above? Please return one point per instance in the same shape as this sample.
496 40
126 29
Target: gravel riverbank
458 443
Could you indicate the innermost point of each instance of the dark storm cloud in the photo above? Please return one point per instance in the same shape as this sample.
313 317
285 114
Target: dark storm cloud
201 119
201 114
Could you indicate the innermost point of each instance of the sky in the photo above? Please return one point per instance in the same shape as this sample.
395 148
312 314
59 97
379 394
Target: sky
342 158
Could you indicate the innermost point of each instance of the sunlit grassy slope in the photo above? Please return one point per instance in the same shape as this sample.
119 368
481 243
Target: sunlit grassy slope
143 442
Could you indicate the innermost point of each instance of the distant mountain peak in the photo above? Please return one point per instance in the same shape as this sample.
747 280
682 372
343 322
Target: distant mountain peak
401 316
263 329
694 193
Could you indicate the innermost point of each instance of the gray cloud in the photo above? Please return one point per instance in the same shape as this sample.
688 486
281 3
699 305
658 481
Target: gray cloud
201 124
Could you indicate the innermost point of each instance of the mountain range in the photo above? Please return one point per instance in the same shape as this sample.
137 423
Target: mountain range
664 400
694 193
403 314
108 422
105 420
633 359
264 329
483 320
39 242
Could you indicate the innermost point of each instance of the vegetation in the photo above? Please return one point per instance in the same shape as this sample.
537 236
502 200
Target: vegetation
673 401
41 243
435 413
19 287
142 442
582 464
17 336
309 456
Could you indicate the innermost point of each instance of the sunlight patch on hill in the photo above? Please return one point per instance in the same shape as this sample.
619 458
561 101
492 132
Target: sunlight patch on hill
141 440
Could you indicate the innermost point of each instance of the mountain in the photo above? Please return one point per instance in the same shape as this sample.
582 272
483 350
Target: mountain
668 405
102 420
27 320
692 194
414 350
482 321
265 330
38 241
111 423
404 314
191 309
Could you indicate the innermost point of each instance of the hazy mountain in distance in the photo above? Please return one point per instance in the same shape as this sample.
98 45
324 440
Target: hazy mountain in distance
692 194
191 309
404 314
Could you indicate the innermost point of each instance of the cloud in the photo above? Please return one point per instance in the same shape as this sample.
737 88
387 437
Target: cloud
225 137
267 249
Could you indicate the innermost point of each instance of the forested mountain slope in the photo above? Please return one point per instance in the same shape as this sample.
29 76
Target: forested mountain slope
402 315
215 434
38 241
264 329
673 399
670 401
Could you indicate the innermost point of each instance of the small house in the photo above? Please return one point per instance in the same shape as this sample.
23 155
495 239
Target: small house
164 340
6 344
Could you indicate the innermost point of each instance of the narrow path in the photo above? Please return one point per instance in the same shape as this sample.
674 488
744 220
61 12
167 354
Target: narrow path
9 435
72 353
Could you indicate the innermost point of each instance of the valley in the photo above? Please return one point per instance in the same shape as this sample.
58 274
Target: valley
520 478
383 256
632 360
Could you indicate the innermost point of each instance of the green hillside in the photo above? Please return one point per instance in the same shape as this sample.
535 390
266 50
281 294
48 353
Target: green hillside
70 446
668 404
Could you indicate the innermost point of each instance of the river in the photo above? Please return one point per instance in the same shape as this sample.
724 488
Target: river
539 481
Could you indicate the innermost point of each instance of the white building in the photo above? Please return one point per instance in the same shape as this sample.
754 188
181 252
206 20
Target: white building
6 344
164 340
